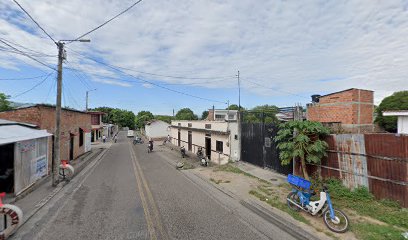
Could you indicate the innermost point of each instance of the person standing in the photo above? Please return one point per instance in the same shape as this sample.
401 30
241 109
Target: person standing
104 138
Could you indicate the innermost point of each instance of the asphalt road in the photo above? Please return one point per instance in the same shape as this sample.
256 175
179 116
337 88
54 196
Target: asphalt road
132 194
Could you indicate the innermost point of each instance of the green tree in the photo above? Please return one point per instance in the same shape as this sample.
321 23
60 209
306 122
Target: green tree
143 117
397 101
266 113
306 145
164 118
186 114
204 115
233 107
123 118
4 103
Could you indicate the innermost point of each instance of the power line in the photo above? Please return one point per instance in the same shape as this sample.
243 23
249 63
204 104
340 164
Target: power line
49 91
118 69
70 96
27 55
23 78
40 54
103 24
38 84
52 39
263 86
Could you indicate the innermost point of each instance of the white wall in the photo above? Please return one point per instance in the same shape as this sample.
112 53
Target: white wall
403 124
157 129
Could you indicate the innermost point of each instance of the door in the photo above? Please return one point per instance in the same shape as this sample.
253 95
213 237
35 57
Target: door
71 148
178 138
208 147
7 168
190 141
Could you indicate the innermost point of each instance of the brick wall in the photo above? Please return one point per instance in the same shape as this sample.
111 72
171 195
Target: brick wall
44 118
354 106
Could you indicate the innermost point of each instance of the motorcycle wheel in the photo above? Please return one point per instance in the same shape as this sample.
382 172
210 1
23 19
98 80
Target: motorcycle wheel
341 223
294 197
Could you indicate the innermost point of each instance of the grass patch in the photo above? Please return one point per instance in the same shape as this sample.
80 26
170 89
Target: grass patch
367 231
274 202
363 202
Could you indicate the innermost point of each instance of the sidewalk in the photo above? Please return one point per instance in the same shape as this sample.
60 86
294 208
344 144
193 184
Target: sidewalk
35 198
265 174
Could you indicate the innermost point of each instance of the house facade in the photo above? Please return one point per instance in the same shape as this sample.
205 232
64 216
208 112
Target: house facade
25 156
97 125
351 110
75 127
219 139
157 129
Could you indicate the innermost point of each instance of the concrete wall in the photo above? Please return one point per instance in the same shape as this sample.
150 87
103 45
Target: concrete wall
403 124
157 130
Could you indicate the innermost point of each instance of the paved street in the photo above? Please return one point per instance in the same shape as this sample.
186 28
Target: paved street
130 194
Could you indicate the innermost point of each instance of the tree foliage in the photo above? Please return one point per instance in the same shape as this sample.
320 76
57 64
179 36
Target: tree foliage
186 114
123 118
143 117
266 113
233 107
306 145
164 118
4 103
204 115
397 101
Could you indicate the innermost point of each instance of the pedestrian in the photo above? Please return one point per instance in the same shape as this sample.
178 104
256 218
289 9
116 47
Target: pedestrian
168 138
104 138
115 138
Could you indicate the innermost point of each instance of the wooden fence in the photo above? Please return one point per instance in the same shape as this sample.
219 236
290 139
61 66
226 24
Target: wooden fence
377 161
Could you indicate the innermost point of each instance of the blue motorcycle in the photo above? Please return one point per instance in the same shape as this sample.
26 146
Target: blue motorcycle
299 199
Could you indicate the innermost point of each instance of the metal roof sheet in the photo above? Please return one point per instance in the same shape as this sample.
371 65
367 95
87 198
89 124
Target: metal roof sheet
15 133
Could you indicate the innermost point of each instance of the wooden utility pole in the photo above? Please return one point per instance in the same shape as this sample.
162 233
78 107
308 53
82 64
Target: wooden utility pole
239 94
57 135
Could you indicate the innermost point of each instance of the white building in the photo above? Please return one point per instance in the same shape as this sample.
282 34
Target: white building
402 119
222 115
24 156
157 129
219 139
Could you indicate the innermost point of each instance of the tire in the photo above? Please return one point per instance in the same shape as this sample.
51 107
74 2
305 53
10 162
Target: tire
342 217
294 197
68 170
14 214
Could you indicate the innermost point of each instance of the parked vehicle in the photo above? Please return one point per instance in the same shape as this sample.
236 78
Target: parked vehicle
137 140
299 199
130 133
200 153
205 161
183 151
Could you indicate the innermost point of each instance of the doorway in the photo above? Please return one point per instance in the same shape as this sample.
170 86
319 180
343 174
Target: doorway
7 168
71 148
208 146
178 138
190 141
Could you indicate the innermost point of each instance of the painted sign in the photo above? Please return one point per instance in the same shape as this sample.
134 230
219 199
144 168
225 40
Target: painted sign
26 146
41 166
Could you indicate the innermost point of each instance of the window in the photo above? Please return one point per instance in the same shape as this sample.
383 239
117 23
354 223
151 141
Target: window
207 126
190 124
219 147
219 116
81 137
95 119
230 116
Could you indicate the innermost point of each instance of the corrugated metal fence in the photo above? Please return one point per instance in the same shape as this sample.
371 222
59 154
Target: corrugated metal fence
377 161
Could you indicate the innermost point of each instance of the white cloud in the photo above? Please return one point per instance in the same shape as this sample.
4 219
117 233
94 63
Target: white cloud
147 85
290 46
112 82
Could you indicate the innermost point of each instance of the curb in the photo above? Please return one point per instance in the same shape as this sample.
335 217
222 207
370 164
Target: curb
59 187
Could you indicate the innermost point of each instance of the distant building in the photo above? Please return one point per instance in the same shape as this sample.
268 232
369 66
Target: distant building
219 139
97 125
75 126
222 115
25 156
402 119
157 129
351 110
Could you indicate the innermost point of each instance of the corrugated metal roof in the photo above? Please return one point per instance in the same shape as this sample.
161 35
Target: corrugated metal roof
15 133
7 122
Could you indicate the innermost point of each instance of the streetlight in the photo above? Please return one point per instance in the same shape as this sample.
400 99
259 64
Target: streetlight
57 156
86 109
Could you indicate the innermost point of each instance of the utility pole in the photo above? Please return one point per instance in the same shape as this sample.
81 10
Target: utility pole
57 135
239 118
239 94
86 108
57 156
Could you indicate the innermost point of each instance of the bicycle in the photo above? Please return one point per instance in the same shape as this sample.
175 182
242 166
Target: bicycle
299 199
12 214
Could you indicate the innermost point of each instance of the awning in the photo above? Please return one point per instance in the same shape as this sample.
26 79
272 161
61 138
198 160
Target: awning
16 133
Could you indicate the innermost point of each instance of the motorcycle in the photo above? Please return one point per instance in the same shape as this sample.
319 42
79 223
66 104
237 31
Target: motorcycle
149 147
204 161
183 152
137 140
299 199
200 153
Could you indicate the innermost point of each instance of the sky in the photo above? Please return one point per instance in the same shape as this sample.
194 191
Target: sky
167 54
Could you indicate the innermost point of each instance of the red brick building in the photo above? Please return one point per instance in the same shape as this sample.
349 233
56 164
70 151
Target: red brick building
351 109
75 126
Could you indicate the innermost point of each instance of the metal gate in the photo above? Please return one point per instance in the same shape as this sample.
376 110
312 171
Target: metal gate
259 148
